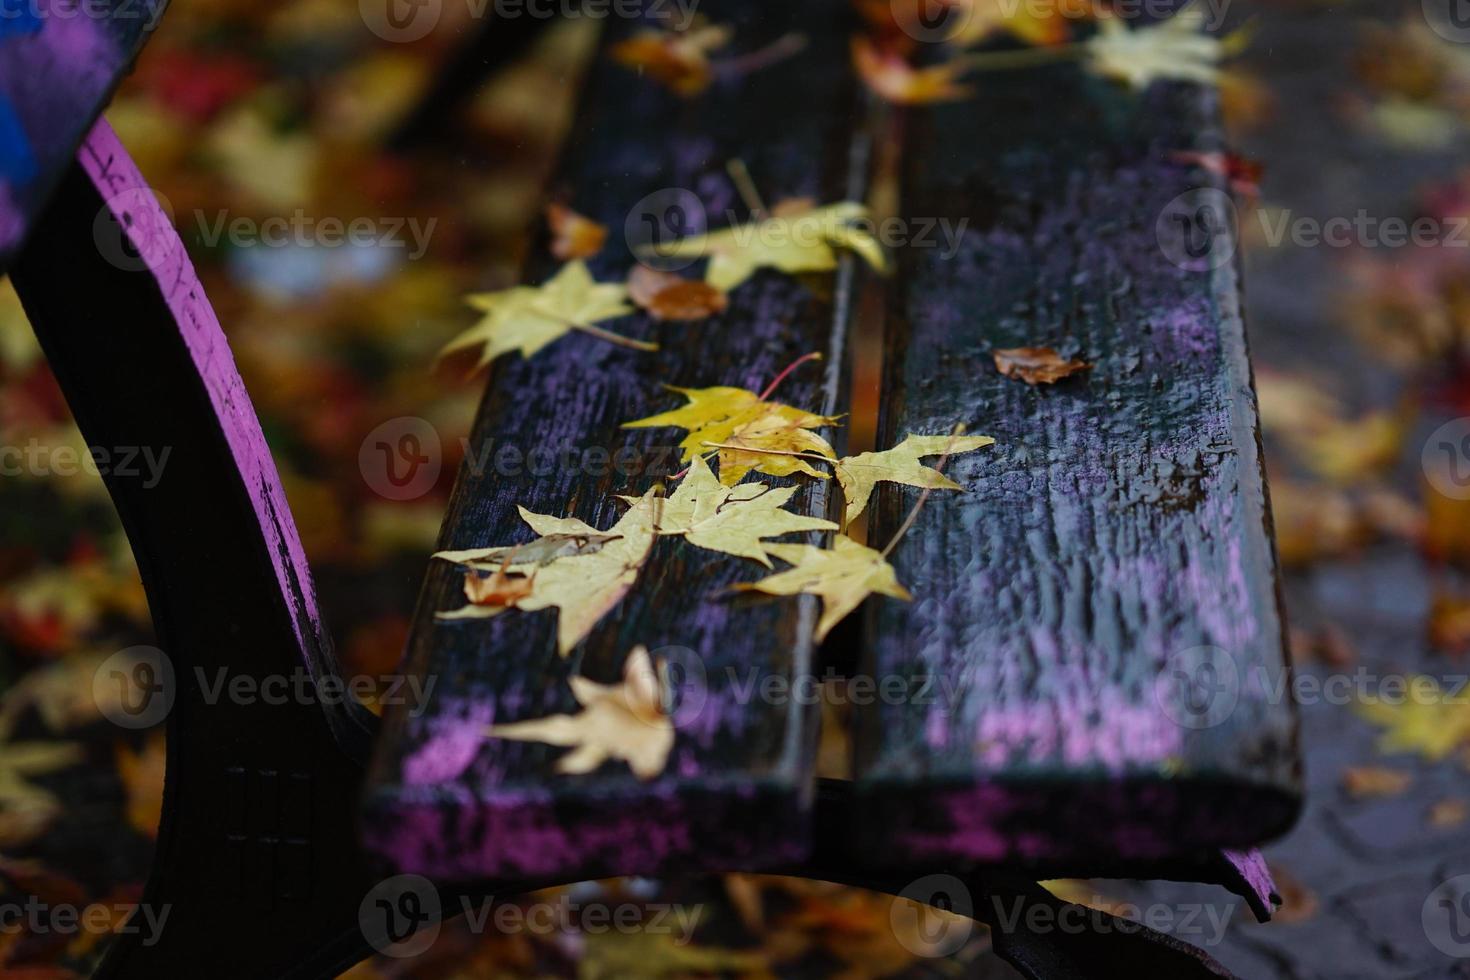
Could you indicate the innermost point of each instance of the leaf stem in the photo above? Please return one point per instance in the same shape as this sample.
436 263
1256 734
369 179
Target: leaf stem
908 522
613 338
745 185
815 355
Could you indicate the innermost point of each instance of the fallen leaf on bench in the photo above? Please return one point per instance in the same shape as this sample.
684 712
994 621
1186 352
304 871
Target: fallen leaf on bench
585 585
1424 719
677 59
493 594
623 721
669 297
791 243
1036 365
737 419
1175 48
892 78
560 537
574 236
843 576
859 474
527 318
733 520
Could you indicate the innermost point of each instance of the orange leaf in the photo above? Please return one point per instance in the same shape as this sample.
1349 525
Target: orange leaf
574 236
894 79
670 297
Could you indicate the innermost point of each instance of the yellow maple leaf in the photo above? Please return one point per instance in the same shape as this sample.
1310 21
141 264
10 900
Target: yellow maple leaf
1428 720
1172 49
527 318
859 474
843 576
796 240
624 721
732 419
583 586
734 520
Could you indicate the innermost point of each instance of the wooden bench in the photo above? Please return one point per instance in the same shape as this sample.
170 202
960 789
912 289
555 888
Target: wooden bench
1107 562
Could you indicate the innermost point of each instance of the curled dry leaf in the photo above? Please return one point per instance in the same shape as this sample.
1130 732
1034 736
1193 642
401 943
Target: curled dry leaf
859 474
677 59
669 297
737 419
1037 365
790 243
574 236
499 590
624 721
585 585
527 318
891 77
734 520
843 576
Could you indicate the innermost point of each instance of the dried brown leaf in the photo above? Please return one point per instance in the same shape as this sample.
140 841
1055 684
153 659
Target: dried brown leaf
1036 365
574 236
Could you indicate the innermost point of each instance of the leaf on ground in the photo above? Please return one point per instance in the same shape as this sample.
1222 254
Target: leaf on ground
1173 49
1036 365
677 59
527 318
735 417
1445 814
733 520
842 576
792 242
889 75
586 585
141 773
1427 720
27 810
1370 782
859 474
573 235
669 297
623 721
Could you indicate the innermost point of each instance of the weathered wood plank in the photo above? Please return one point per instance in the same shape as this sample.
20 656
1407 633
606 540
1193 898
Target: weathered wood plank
59 64
1118 532
449 802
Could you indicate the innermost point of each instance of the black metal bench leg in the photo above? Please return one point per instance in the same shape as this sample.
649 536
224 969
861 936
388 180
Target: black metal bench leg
257 869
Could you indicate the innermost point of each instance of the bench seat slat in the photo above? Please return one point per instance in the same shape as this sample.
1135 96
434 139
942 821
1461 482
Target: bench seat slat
1115 535
445 800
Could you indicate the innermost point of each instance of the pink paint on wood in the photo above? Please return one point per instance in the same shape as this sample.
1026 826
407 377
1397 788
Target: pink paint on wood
151 233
